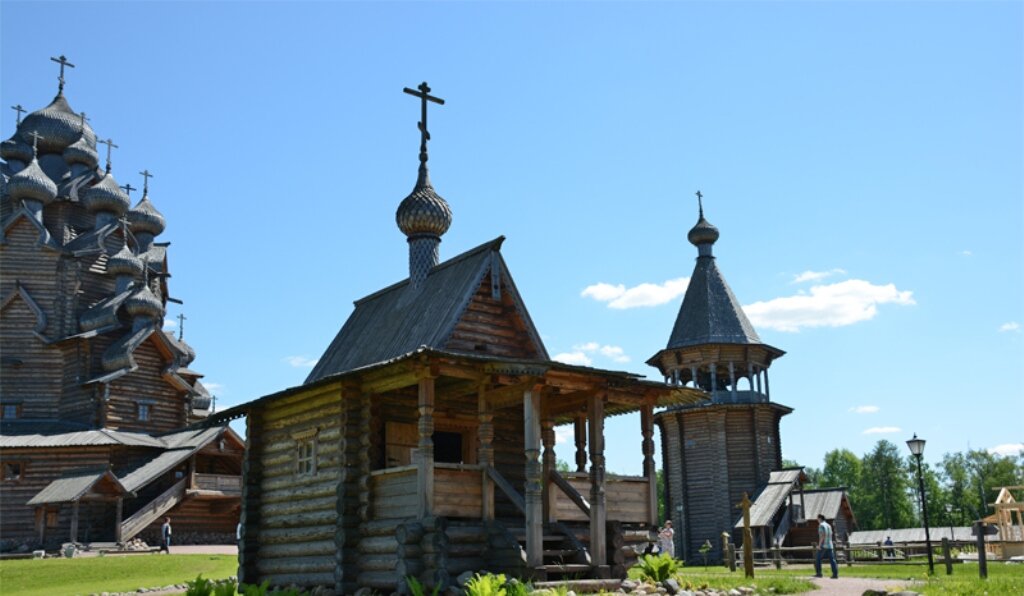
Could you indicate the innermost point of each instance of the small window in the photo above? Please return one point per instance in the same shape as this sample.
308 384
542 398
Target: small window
51 518
306 457
143 412
13 471
12 411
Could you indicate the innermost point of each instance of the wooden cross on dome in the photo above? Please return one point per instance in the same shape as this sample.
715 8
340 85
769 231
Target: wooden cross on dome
110 145
425 96
145 185
21 110
63 62
181 325
700 204
35 140
128 188
81 124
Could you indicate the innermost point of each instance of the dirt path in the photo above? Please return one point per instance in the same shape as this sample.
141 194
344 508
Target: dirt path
855 586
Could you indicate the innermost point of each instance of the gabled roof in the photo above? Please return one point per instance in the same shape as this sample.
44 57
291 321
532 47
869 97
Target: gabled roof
181 445
710 313
780 484
827 502
400 319
76 485
39 434
45 239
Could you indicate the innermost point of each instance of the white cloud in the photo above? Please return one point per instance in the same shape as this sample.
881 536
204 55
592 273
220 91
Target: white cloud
1011 326
614 353
564 434
833 305
966 253
645 294
864 409
170 324
577 358
816 275
300 361
882 430
213 387
1007 449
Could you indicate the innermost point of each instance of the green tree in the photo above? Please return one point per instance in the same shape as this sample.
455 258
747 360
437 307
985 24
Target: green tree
957 479
991 472
885 495
843 468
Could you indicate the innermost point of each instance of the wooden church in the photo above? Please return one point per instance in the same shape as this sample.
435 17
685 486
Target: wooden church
97 401
422 443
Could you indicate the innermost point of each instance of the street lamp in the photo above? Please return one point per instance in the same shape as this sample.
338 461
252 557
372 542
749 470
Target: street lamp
917 450
949 514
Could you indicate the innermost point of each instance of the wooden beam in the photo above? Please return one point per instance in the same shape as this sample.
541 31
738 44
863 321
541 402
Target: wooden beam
118 512
74 521
485 452
533 492
547 434
598 514
510 395
647 430
425 449
383 384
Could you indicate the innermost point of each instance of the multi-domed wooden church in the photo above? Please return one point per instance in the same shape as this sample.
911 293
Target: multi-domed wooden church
98 403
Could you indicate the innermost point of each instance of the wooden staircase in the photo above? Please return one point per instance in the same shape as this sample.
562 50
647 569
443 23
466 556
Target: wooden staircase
565 556
152 511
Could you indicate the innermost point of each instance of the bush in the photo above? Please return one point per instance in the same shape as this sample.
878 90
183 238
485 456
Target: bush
417 588
657 568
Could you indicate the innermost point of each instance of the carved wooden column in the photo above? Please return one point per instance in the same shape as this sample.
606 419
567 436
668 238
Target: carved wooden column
732 380
533 492
693 374
598 517
485 451
425 449
118 514
767 389
580 432
714 377
547 435
650 473
364 464
74 521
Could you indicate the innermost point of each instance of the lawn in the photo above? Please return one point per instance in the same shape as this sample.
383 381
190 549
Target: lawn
87 575
1003 578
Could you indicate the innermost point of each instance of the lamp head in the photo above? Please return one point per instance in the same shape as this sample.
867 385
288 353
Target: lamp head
916 446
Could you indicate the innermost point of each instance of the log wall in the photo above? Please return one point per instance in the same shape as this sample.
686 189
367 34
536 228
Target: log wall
492 326
167 409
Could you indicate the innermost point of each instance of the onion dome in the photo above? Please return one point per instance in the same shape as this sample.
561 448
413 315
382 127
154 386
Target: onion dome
145 218
123 262
106 195
188 353
82 152
144 303
423 212
702 233
201 399
32 184
59 126
16 148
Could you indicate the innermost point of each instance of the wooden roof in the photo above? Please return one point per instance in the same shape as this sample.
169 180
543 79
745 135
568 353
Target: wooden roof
80 484
401 318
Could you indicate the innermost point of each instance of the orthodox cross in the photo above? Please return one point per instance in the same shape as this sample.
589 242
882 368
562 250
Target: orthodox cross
424 95
63 62
81 125
124 227
181 325
213 406
145 185
700 203
35 140
110 145
20 111
128 188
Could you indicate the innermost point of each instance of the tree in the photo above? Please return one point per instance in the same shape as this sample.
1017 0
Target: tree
843 468
957 478
991 472
885 497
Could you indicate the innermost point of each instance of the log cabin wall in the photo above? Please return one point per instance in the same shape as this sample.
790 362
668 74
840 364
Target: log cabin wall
40 467
146 385
298 491
78 403
492 326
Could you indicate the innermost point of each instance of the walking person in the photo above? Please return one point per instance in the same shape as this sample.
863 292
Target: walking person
666 542
165 536
825 547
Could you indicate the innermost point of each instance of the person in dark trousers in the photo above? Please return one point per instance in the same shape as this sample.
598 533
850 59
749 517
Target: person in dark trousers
825 547
889 552
165 536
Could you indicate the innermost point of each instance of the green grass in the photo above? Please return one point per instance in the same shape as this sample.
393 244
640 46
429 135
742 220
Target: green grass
1002 578
87 575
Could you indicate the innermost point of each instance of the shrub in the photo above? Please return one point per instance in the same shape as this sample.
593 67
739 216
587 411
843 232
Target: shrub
487 585
657 568
417 588
200 586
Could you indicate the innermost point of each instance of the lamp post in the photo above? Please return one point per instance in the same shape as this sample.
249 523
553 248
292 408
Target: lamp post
949 514
917 450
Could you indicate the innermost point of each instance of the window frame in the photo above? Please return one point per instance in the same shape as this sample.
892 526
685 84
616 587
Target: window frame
17 411
7 476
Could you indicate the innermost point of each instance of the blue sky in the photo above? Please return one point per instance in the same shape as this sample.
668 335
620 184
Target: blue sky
863 162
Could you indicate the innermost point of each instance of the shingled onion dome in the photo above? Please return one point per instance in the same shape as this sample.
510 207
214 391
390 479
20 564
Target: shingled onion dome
81 152
703 236
423 216
201 398
106 200
146 222
33 186
125 267
15 148
59 125
144 307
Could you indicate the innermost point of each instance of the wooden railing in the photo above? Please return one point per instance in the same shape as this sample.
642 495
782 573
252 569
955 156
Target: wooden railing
217 482
570 491
507 488
458 490
625 498
153 510
393 493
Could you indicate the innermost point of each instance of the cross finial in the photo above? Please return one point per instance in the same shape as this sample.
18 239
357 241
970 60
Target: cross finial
18 108
145 185
81 124
110 145
128 188
124 228
63 62
700 204
213 405
35 140
181 325
425 96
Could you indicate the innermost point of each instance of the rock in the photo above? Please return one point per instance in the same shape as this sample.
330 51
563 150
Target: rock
734 592
364 592
671 585
874 593
628 585
464 578
745 590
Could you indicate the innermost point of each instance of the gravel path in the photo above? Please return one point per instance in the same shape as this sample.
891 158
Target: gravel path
855 586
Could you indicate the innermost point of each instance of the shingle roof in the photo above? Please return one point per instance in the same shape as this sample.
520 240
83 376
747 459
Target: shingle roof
73 486
181 446
32 437
780 484
824 502
960 534
710 312
399 319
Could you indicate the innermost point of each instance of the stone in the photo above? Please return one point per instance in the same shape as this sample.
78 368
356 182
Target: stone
464 578
629 585
671 585
734 592
364 592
